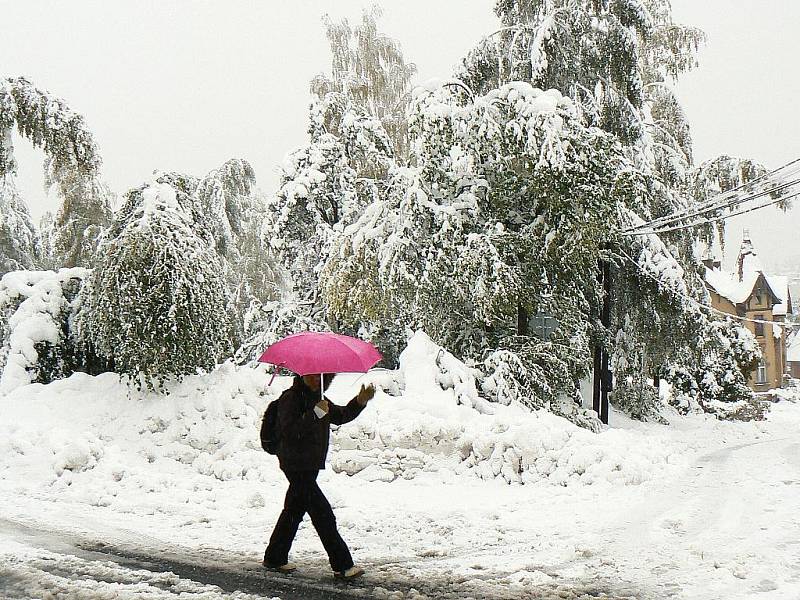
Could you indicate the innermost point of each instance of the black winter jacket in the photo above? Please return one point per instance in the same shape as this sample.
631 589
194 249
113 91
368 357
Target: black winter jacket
304 437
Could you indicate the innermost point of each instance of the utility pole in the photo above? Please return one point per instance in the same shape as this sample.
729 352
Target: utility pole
606 320
602 375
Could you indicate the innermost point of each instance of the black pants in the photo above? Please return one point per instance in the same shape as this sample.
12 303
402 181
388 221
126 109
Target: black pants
304 496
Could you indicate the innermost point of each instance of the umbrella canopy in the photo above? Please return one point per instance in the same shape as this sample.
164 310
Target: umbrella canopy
320 352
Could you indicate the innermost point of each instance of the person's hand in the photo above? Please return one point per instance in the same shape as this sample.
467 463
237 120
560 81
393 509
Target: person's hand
365 394
323 405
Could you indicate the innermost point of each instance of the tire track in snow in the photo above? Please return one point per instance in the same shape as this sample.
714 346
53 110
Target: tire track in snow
716 518
90 558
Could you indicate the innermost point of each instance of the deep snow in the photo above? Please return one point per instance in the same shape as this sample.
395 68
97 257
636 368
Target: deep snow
510 504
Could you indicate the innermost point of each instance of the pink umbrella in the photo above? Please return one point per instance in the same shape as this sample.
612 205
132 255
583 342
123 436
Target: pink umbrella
321 352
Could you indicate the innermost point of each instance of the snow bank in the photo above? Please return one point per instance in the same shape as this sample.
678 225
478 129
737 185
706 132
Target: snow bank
34 309
431 429
92 441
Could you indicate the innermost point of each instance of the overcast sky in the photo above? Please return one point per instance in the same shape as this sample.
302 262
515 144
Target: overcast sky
179 85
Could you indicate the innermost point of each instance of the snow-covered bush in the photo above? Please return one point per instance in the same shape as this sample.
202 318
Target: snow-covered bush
36 308
156 301
714 378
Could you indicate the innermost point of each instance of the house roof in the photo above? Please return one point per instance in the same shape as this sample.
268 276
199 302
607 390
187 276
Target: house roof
738 287
728 286
780 286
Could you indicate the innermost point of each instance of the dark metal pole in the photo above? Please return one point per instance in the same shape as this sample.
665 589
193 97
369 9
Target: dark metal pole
597 357
605 318
596 380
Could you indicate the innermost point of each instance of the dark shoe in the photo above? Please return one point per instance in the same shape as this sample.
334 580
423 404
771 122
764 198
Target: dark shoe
287 568
350 573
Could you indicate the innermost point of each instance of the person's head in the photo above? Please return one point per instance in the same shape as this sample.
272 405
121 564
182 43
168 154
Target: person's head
312 381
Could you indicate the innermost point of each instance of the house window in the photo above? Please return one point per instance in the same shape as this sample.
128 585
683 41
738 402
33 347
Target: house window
758 296
759 326
761 373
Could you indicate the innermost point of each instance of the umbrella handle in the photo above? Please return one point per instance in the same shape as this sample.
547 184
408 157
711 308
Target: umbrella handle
274 373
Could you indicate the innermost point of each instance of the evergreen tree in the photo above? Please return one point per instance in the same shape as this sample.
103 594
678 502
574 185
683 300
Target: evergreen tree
156 302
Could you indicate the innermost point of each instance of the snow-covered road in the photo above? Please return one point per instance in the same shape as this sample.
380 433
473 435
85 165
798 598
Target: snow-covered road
734 515
65 566
60 564
727 527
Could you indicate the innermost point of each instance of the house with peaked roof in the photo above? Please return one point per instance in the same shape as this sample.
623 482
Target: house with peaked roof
764 299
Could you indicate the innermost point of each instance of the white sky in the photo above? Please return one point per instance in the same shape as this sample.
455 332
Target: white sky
178 85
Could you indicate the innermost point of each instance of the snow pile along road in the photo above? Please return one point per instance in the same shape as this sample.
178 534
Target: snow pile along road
426 429
91 440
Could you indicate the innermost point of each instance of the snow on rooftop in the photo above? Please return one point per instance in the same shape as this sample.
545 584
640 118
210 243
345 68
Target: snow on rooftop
737 287
728 285
780 286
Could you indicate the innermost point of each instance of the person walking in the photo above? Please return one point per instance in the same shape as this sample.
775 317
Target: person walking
304 418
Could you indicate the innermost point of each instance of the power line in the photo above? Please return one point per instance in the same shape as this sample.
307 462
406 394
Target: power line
665 223
699 304
712 220
726 199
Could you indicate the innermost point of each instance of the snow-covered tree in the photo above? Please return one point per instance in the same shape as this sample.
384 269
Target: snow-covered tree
712 376
601 54
714 177
325 185
46 230
266 323
82 219
668 333
619 61
72 165
235 213
368 70
19 240
505 211
357 130
156 302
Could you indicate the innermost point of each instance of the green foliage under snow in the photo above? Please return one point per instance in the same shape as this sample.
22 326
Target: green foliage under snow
156 303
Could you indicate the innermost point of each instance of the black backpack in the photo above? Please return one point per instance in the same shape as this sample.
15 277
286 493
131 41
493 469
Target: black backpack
270 434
